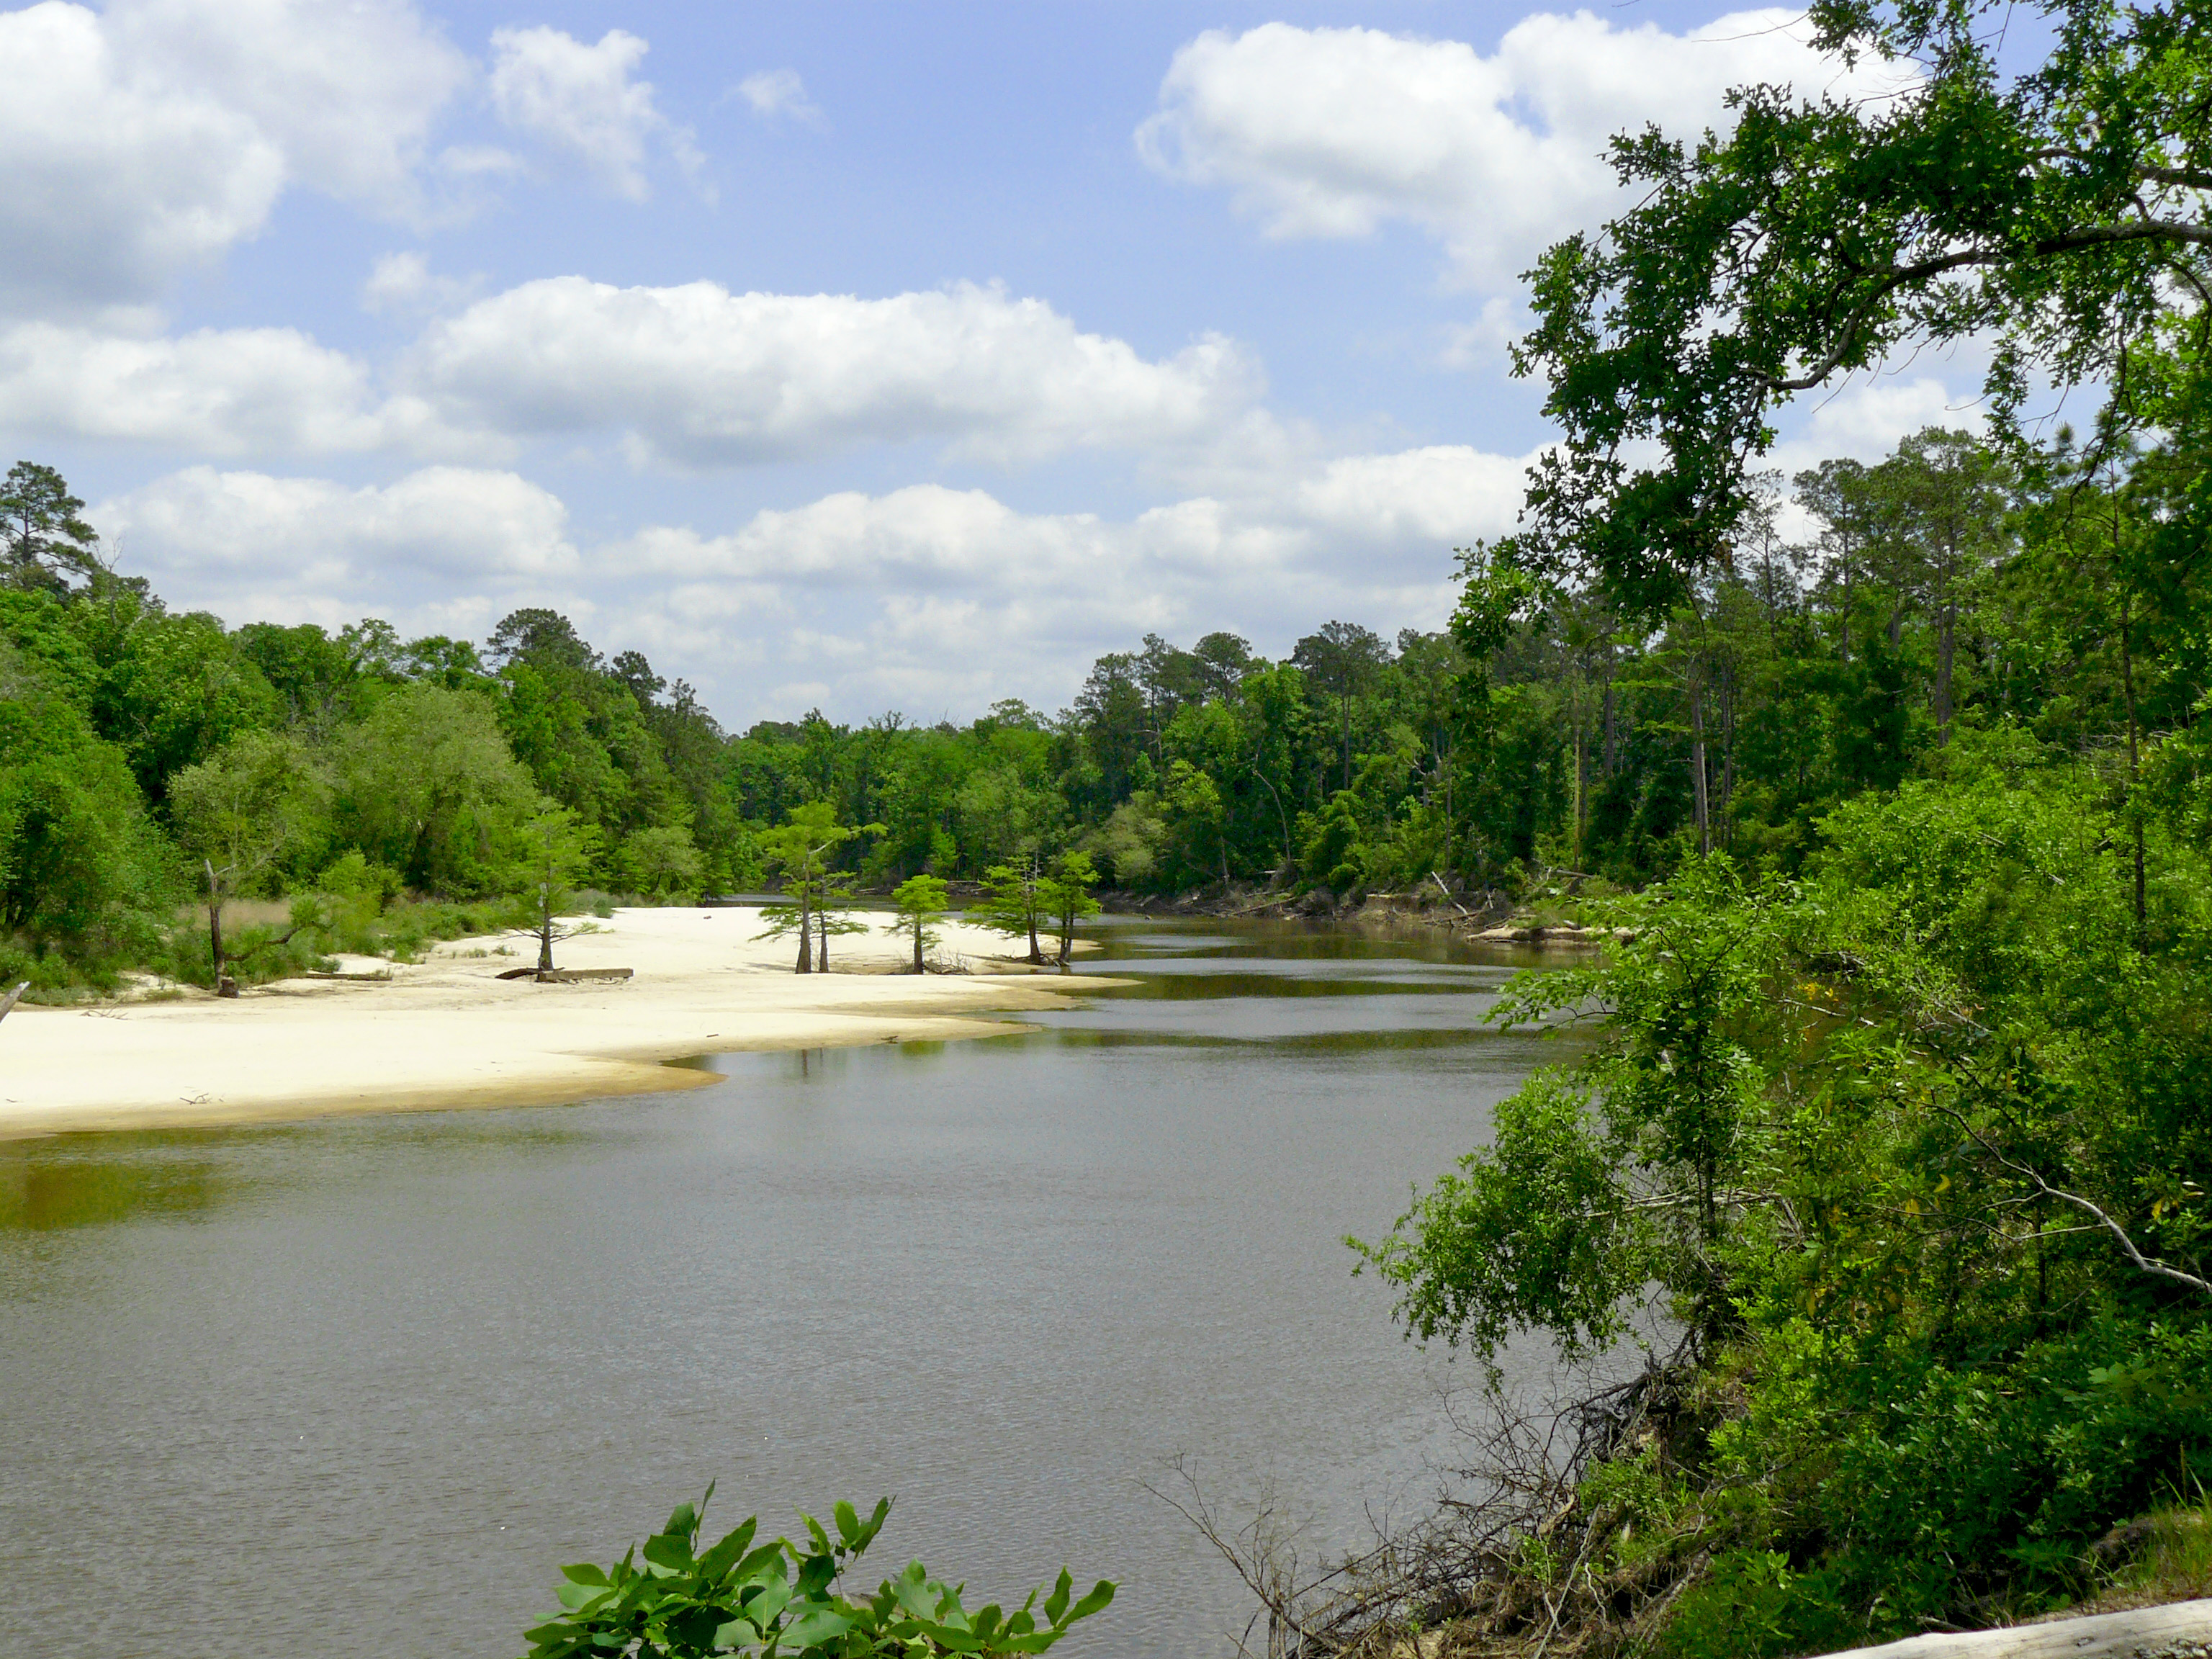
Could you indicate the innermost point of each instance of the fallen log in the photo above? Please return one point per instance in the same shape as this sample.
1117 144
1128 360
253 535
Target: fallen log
2180 1630
578 975
14 996
355 979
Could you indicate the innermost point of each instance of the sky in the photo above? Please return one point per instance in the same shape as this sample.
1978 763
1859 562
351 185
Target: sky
857 357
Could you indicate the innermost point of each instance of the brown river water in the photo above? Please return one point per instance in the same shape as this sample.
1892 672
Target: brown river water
357 1386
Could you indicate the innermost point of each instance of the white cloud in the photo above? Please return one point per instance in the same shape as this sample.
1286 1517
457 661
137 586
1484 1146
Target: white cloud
699 376
1332 132
115 181
1433 496
311 537
350 90
221 392
145 142
774 93
581 100
404 281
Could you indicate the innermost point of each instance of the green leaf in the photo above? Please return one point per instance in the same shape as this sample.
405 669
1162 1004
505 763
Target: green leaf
1100 1598
849 1524
663 1550
769 1554
737 1633
717 1560
767 1603
1056 1603
914 1591
584 1573
577 1597
821 1537
813 1629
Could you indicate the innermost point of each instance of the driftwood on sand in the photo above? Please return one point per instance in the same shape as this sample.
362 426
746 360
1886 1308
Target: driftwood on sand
15 995
568 975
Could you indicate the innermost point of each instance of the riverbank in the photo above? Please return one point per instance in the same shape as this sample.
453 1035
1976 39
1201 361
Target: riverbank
449 1032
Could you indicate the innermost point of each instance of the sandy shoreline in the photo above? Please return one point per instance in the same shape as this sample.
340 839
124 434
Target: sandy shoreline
449 1033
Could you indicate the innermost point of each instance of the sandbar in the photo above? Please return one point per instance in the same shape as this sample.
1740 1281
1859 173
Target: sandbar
448 1032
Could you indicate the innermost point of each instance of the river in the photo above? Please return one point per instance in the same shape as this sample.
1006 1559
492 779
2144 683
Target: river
357 1386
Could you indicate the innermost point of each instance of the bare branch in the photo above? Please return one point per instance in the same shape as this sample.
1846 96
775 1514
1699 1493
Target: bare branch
2150 1265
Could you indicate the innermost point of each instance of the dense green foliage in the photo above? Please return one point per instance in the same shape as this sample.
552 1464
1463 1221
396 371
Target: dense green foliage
783 1596
1893 1131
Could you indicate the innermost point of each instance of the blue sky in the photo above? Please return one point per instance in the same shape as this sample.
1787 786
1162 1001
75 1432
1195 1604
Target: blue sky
862 357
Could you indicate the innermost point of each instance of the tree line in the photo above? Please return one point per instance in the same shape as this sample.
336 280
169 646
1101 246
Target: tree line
1549 732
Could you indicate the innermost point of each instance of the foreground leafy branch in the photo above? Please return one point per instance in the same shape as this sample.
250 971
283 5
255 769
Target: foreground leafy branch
781 1597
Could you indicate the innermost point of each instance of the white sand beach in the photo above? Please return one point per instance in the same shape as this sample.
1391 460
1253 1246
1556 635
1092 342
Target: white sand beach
448 1032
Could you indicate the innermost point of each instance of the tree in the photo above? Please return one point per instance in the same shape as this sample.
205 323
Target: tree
2062 212
552 848
259 797
1342 660
801 847
1952 498
921 903
47 544
82 870
426 786
1066 895
1013 900
660 861
832 919
538 633
1223 659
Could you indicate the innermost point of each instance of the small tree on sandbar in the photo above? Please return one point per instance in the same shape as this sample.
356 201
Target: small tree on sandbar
553 847
921 902
1067 898
802 847
1013 903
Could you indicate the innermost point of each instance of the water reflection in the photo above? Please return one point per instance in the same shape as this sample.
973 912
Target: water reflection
56 1183
416 1360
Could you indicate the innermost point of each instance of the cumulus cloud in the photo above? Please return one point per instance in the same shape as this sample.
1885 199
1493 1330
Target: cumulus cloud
927 597
404 281
220 391
699 376
693 376
1332 132
295 545
145 141
350 90
115 181
582 100
773 93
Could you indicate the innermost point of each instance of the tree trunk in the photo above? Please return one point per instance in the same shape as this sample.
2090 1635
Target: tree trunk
225 986
822 929
805 930
919 966
1947 646
2134 764
1581 765
545 929
1700 805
